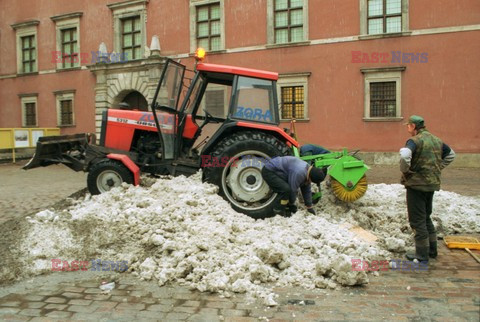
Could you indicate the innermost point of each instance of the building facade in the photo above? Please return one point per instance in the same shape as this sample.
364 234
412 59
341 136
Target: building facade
350 71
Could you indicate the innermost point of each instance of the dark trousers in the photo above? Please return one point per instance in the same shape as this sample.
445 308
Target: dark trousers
419 206
277 184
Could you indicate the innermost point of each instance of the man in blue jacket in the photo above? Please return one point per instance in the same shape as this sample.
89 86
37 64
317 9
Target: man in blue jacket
285 175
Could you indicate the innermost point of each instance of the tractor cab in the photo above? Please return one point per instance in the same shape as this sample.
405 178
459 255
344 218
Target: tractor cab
184 105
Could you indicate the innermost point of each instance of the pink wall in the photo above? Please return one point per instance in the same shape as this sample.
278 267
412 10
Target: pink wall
443 13
445 90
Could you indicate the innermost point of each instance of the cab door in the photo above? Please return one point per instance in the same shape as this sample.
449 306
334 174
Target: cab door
165 106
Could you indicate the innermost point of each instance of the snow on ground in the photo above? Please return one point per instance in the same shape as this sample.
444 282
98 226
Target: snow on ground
180 230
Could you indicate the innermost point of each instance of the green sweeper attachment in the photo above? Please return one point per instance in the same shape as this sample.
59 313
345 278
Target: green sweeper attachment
347 173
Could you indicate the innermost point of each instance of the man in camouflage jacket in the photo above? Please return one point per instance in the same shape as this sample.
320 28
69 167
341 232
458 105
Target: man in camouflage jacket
421 162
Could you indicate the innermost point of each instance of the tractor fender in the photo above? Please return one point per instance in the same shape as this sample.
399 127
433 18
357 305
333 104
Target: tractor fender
129 164
229 128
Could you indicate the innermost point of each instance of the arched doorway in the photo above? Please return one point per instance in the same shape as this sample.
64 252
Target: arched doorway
135 101
132 100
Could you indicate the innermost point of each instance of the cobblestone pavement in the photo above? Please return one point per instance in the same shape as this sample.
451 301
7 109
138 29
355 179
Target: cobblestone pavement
449 290
23 192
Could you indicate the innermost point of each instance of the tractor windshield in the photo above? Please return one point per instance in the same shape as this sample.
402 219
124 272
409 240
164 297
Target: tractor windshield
255 100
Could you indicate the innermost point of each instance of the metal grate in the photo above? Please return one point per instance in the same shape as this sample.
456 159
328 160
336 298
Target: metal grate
30 114
293 104
66 112
383 99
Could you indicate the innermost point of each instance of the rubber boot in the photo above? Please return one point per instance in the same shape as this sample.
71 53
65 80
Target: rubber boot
281 209
421 251
432 253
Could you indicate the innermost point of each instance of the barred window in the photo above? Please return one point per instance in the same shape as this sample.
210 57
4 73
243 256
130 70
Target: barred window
30 114
384 16
288 21
69 48
208 26
28 54
215 103
383 99
66 112
131 38
293 106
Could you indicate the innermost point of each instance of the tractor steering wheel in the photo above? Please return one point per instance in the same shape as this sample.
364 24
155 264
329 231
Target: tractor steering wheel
209 118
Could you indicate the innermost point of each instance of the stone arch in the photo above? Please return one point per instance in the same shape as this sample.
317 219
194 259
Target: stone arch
121 84
133 98
116 80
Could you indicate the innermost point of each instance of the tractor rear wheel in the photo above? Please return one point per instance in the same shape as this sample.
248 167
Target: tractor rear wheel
106 175
235 167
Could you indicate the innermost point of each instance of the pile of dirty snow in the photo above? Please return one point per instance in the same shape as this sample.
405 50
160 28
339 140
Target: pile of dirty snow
180 230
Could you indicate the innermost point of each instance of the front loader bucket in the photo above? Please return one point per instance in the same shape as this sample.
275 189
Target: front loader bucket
66 149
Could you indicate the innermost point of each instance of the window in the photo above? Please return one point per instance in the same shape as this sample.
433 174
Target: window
65 107
30 114
292 106
131 38
29 109
129 27
66 112
288 21
28 54
254 100
216 100
379 17
68 41
207 25
293 96
383 93
26 38
69 48
383 99
384 16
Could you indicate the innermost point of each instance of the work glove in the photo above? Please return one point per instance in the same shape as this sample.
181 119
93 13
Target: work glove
292 208
312 211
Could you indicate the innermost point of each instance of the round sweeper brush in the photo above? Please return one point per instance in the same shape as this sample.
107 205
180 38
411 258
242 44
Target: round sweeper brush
348 194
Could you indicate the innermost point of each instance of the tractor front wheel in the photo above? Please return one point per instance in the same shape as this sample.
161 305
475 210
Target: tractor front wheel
106 175
235 167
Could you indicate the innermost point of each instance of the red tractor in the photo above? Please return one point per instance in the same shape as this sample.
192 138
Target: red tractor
237 106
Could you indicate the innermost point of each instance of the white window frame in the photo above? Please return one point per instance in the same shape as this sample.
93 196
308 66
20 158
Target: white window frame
271 25
62 22
25 29
193 23
62 96
377 75
129 9
294 79
364 22
25 99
